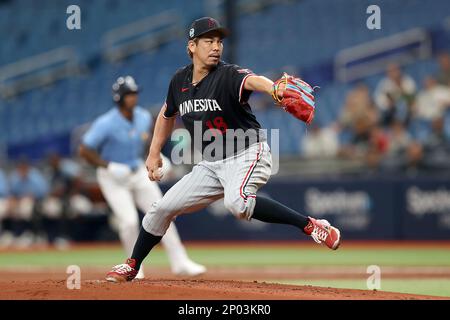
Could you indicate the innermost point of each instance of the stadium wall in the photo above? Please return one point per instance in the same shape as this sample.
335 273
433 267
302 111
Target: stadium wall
363 208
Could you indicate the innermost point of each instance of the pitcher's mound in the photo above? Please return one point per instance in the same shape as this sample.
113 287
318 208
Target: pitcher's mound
186 289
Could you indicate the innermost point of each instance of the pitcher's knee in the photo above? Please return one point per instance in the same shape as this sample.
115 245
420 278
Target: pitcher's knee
158 219
241 208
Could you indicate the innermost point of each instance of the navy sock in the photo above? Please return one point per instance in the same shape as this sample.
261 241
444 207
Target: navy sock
268 210
144 244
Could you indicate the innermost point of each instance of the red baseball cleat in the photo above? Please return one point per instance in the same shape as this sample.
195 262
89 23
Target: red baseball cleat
322 232
123 272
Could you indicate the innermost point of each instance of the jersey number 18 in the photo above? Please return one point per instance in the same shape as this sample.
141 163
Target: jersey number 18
217 124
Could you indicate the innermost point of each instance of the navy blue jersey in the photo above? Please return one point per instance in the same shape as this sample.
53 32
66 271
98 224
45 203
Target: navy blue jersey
219 103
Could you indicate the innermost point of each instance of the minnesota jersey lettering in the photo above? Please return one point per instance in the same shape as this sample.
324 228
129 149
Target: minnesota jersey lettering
199 105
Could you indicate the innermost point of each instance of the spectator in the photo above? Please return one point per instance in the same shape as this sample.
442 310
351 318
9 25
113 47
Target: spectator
394 96
408 160
432 101
368 142
28 187
399 139
443 76
320 143
437 147
358 102
378 146
414 158
399 143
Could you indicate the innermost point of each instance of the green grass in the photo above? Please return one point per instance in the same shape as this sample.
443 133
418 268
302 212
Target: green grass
88 257
322 256
243 256
433 287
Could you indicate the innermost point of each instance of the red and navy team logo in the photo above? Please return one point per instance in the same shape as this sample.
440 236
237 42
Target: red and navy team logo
211 23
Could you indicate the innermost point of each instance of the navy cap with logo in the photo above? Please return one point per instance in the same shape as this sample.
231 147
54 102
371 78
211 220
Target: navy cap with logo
204 25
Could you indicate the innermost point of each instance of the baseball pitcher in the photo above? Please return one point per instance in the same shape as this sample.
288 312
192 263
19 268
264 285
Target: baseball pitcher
212 96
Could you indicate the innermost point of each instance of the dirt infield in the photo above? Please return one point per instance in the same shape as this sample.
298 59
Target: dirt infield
216 285
220 283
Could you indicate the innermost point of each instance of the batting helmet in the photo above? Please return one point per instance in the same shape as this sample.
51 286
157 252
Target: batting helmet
124 86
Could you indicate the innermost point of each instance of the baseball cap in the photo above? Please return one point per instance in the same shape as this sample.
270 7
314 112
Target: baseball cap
204 25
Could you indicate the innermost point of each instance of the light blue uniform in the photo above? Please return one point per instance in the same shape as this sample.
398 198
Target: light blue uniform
117 139
33 184
3 185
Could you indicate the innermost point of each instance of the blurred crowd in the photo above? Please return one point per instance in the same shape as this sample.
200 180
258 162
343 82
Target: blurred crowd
49 204
399 127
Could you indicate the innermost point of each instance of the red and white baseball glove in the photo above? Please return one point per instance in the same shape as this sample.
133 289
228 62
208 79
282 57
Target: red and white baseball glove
294 96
